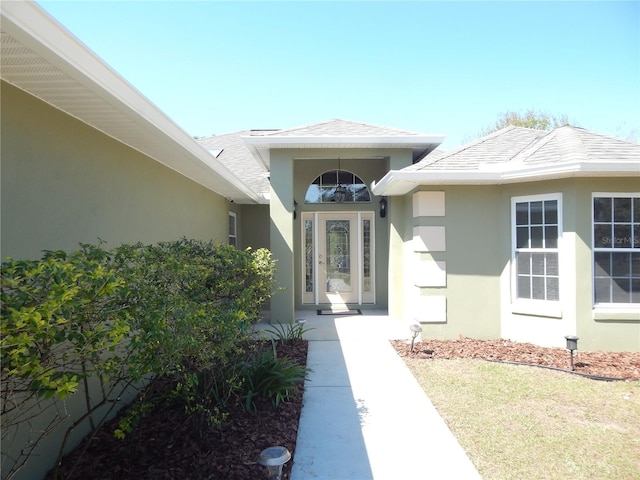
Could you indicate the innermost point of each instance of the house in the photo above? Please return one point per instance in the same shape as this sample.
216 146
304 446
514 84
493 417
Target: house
522 234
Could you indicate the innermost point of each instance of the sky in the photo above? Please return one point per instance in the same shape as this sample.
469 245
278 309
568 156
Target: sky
430 67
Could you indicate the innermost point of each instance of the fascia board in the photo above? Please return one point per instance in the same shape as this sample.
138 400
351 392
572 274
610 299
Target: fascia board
399 182
263 155
570 169
32 26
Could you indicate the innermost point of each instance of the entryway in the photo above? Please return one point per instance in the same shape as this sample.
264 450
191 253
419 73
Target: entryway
338 260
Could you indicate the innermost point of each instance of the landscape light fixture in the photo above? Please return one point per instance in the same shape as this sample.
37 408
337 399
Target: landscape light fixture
274 459
572 344
415 331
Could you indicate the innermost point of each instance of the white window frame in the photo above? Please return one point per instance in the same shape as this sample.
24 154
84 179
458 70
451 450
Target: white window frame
536 307
233 237
606 308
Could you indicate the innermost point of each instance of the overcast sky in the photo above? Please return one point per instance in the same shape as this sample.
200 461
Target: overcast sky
431 67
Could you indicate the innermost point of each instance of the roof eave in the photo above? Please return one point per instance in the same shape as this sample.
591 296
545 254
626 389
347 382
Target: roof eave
33 27
260 146
401 182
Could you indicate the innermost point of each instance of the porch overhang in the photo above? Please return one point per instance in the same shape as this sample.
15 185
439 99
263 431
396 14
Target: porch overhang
261 146
401 182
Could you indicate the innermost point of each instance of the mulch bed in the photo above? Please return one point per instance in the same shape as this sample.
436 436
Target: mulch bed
168 445
618 365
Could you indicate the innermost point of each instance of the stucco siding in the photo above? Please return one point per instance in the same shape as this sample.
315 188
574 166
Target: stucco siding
457 273
471 257
64 182
253 225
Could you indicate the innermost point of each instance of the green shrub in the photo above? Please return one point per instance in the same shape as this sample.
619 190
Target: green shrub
62 325
135 313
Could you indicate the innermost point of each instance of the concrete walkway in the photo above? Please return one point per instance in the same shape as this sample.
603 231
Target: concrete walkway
364 415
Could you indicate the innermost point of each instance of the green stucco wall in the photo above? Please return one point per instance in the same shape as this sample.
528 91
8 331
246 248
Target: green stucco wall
478 254
253 226
473 262
64 182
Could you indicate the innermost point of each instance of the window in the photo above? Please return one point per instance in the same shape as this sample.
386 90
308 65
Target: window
233 229
536 232
337 186
309 256
616 248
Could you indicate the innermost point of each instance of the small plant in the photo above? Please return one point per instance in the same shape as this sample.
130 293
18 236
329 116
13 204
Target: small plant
287 332
268 376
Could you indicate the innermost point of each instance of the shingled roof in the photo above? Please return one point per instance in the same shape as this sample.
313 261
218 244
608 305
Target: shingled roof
338 127
524 146
516 154
230 150
339 133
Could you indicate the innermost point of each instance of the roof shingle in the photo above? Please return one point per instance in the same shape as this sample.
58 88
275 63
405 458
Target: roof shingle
338 128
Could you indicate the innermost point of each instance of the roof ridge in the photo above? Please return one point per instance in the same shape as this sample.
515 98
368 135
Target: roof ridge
399 130
578 130
343 120
570 145
300 127
533 146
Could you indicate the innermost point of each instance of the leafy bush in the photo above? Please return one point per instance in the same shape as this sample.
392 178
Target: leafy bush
62 325
122 316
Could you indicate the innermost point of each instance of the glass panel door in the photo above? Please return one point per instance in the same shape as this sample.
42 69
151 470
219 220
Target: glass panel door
338 256
337 264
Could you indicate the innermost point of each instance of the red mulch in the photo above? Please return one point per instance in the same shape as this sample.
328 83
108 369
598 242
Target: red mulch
167 445
619 365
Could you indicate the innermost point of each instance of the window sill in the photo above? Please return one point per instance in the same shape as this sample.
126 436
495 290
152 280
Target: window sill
537 308
616 314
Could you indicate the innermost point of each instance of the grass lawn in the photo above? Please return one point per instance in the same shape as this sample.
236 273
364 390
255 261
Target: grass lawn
519 422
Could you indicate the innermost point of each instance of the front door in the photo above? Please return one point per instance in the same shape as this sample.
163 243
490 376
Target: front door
339 260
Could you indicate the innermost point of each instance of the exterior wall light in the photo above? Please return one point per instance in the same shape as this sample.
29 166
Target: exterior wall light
274 459
383 207
295 209
572 344
415 331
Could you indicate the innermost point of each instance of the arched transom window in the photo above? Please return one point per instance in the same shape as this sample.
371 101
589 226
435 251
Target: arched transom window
337 186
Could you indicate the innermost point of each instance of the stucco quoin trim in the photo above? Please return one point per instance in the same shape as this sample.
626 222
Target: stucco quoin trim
401 182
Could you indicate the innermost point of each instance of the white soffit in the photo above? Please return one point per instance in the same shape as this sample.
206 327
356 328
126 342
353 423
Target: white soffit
401 182
44 59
